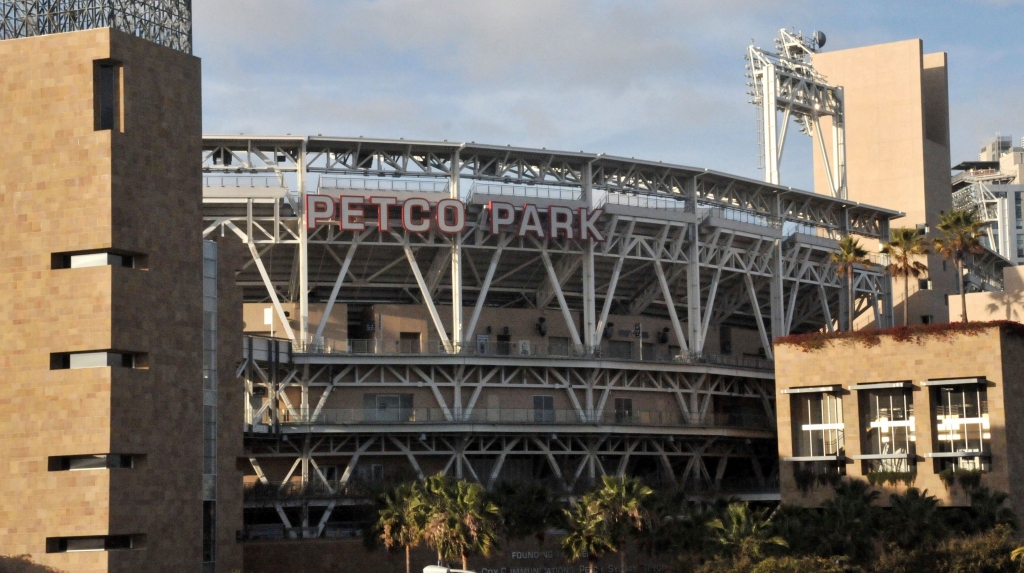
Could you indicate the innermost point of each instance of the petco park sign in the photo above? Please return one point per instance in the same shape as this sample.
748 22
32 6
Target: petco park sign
448 216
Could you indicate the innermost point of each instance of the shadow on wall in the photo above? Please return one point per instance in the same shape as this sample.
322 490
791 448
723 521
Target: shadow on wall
1006 304
22 564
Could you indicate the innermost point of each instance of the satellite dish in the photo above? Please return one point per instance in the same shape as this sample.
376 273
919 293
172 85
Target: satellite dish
819 39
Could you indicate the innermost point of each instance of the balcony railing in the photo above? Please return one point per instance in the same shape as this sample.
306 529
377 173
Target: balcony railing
529 349
525 416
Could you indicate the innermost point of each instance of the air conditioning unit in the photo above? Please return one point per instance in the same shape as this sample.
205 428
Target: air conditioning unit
524 347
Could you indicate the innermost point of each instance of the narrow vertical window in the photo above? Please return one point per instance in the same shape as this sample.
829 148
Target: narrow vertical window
107 95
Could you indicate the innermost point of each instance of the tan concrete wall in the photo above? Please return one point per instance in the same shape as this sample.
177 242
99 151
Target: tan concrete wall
1007 304
990 354
336 329
67 187
394 319
897 148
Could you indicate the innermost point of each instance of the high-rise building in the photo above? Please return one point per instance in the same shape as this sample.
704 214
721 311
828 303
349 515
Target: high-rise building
897 152
993 186
103 273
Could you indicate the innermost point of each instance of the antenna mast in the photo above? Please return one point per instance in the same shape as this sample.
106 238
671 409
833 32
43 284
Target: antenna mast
786 81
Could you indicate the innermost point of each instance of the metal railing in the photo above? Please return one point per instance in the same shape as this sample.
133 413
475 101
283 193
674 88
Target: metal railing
524 416
644 201
242 181
529 349
383 184
738 215
536 191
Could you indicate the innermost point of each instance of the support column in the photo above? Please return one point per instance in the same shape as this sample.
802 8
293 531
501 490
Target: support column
769 127
693 320
456 338
777 286
589 296
300 178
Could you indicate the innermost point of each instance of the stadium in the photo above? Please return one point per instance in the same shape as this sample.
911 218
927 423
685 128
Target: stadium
503 314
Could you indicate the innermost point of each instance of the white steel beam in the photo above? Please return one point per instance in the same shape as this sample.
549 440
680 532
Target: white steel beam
671 306
456 340
271 291
300 178
337 283
425 291
485 288
756 311
566 313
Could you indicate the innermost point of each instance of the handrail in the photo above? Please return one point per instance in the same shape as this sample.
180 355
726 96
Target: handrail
530 350
522 416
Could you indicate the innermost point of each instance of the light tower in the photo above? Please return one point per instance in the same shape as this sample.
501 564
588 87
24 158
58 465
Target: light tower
786 81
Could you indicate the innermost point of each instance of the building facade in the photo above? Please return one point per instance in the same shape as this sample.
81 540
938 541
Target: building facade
923 410
897 149
993 186
103 356
511 315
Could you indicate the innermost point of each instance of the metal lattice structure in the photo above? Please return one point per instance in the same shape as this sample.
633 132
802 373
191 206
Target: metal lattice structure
164 22
786 81
695 249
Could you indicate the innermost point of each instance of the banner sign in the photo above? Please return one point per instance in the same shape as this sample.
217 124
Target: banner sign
448 216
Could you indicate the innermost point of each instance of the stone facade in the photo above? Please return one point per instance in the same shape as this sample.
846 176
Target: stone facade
67 185
993 353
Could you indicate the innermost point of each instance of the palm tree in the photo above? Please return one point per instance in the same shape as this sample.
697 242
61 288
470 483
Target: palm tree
913 521
903 248
621 500
961 235
587 532
850 254
745 533
847 522
459 520
401 519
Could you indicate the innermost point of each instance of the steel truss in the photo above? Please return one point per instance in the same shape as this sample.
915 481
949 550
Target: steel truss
786 81
574 462
164 22
757 246
693 247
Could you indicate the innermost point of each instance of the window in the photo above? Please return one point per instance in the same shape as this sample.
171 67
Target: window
107 105
622 349
100 359
817 424
1020 246
647 351
558 346
97 259
1017 209
962 429
370 473
91 462
409 342
725 340
924 284
209 531
927 319
544 409
330 474
623 410
887 429
388 408
94 543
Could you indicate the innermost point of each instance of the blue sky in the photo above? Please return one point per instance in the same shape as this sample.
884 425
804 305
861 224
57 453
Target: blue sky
656 79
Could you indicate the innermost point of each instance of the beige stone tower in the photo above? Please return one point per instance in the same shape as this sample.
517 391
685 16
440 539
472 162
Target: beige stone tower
101 351
897 149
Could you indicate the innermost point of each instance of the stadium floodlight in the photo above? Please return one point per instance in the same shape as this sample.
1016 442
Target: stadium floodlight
786 81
